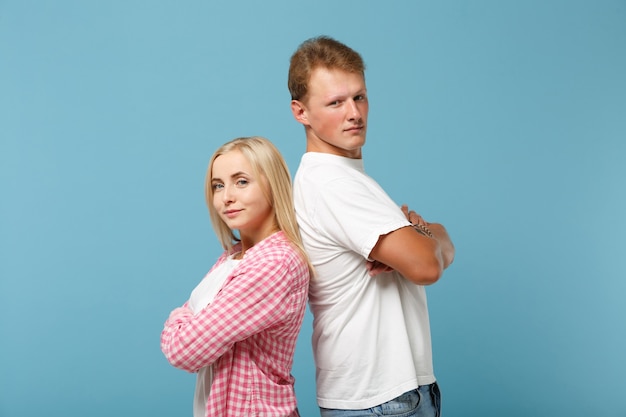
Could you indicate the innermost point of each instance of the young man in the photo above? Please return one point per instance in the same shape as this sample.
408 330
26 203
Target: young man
371 335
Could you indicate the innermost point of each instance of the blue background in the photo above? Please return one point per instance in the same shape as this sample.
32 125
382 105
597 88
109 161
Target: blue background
504 120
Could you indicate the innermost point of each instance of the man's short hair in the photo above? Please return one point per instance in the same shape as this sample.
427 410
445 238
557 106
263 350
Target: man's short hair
321 51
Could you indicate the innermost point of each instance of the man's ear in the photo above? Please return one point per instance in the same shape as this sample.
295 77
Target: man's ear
299 112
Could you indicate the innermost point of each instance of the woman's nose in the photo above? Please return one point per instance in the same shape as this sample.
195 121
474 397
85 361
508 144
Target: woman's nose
227 194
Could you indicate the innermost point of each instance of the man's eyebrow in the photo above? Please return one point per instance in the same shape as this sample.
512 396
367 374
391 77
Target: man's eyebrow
347 94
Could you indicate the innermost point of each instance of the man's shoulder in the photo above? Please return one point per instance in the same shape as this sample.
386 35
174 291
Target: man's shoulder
323 168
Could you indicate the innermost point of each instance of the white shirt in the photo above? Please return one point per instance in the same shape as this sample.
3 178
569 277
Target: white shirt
371 335
200 297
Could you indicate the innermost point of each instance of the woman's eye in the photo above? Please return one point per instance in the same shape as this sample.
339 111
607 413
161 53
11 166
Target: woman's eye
217 186
242 182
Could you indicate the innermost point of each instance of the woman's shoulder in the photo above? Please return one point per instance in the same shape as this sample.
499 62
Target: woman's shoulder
275 257
277 249
276 243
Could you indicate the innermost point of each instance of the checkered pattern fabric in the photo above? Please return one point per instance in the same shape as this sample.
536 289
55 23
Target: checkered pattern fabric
248 333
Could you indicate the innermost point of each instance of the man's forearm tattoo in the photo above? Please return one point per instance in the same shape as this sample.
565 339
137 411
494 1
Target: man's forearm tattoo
423 230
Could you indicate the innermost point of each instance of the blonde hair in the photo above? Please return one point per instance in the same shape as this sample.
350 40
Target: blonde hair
267 164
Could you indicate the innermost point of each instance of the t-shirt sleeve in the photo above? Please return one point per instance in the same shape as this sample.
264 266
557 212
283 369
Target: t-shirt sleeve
356 213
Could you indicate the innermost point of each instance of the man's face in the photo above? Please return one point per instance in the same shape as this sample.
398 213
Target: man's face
334 112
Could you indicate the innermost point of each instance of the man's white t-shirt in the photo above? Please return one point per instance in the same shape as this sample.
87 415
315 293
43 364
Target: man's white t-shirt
371 335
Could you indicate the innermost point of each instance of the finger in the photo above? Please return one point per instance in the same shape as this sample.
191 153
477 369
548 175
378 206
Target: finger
375 270
405 210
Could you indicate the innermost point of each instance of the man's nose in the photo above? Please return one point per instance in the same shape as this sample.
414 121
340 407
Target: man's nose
353 110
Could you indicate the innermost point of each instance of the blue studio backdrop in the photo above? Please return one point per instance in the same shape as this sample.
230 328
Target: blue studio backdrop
503 120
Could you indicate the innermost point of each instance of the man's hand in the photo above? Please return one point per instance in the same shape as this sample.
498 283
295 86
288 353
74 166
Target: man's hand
375 268
412 216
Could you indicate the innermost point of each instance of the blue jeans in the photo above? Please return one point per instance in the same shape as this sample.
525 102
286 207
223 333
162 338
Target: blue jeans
424 401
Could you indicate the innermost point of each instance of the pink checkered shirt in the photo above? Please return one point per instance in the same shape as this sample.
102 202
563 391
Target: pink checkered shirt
248 333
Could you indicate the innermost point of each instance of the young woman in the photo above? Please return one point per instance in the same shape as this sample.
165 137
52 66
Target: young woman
238 329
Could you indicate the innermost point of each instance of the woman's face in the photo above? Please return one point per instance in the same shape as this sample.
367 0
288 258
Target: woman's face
239 198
